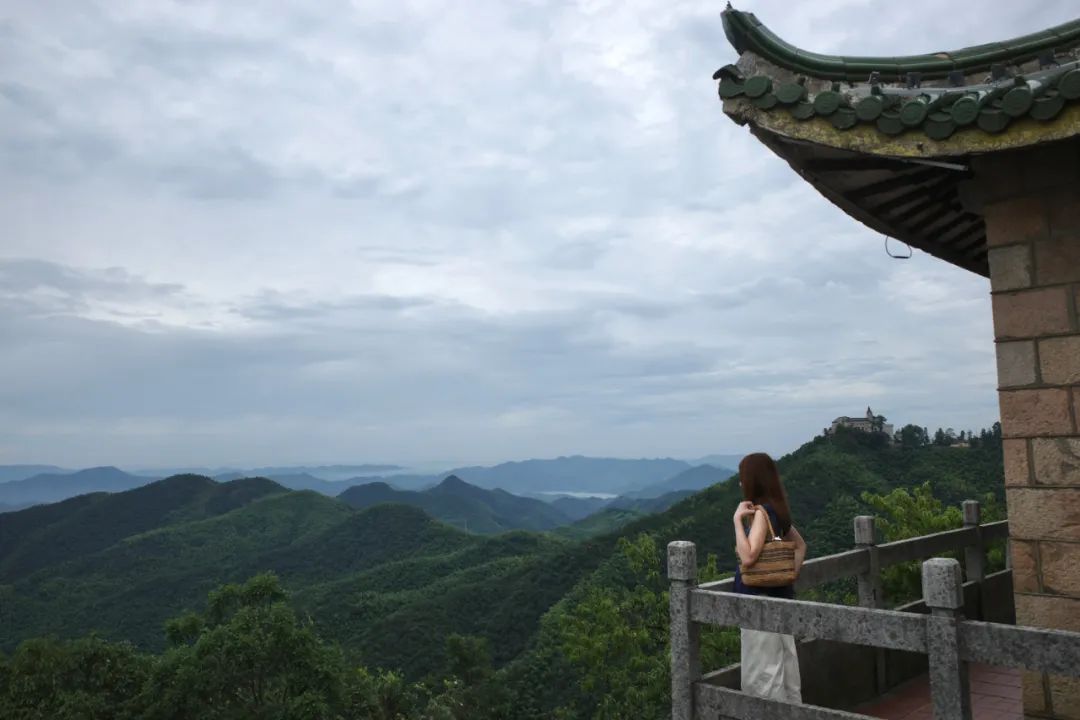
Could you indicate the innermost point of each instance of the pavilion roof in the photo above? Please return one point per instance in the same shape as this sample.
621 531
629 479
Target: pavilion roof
890 140
985 87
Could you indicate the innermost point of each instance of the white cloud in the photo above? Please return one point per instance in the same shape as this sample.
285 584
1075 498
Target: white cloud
413 230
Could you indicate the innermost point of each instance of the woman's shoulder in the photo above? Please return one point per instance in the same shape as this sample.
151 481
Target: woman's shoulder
774 517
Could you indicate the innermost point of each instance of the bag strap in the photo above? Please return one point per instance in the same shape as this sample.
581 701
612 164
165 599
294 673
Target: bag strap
772 533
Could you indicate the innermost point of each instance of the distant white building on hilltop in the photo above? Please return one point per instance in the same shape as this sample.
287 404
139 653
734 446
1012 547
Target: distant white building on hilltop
870 423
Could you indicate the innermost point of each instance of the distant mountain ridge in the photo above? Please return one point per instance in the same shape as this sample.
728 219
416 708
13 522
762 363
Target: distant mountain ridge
463 505
53 487
730 461
695 478
329 473
296 481
650 505
571 473
14 473
577 473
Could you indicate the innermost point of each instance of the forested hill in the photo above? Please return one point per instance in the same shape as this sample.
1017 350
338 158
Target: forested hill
465 506
825 480
390 584
63 532
387 581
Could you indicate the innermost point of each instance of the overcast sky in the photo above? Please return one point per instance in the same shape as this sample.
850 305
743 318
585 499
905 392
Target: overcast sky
446 231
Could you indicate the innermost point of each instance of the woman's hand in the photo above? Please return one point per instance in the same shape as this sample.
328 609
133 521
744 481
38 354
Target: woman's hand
745 508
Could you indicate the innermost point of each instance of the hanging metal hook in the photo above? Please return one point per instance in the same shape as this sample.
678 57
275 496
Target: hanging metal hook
910 252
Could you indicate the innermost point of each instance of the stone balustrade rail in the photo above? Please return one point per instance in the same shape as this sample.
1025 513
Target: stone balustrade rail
943 634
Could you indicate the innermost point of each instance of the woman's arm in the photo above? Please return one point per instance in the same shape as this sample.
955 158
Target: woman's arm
749 547
800 547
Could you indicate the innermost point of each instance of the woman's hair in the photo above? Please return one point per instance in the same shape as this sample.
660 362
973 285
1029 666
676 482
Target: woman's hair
760 481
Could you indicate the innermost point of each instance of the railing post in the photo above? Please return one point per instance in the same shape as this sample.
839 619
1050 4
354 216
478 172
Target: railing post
685 658
871 590
943 592
975 555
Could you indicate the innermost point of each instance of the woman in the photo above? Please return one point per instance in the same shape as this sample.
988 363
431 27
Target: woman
770 666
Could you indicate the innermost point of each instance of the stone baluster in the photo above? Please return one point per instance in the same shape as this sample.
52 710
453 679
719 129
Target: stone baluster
685 656
871 591
975 555
943 592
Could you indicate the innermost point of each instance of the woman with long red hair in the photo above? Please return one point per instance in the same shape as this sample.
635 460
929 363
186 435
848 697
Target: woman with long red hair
770 664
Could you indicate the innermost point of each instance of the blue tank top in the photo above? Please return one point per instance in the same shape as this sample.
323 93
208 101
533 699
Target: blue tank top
784 591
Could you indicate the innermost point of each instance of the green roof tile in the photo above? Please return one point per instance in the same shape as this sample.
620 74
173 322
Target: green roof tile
730 88
765 102
843 119
939 126
827 102
747 33
993 120
965 110
869 108
790 93
936 111
1069 85
889 123
1048 106
757 86
803 111
914 112
1018 101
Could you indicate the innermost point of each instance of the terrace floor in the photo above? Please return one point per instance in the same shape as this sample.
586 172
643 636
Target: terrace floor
995 695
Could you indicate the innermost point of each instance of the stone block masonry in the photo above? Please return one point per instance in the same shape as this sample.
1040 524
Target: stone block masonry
1033 313
1017 466
1033 230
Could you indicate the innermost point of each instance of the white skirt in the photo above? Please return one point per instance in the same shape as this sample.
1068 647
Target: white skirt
770 666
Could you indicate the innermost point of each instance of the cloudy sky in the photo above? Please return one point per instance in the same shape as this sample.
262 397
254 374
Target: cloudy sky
399 230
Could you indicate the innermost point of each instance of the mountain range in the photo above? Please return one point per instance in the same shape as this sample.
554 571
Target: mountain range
331 473
52 486
573 474
694 478
462 505
641 478
389 582
9 473
381 579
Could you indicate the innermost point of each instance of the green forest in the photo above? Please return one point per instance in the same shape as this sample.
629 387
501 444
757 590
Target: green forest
190 598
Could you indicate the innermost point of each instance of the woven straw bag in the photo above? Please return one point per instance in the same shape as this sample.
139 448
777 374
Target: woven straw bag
775 566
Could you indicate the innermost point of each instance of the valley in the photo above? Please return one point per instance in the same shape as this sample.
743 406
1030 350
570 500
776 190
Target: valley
389 575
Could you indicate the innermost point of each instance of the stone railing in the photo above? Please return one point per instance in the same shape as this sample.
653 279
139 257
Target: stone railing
936 629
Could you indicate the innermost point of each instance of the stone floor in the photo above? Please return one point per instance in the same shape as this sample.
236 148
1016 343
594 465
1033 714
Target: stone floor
995 695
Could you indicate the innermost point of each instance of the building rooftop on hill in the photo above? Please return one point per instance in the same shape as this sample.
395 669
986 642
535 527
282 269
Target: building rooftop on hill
868 423
972 156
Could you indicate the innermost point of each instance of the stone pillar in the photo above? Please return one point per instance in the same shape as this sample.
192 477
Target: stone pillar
685 657
943 593
975 555
1031 202
871 591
